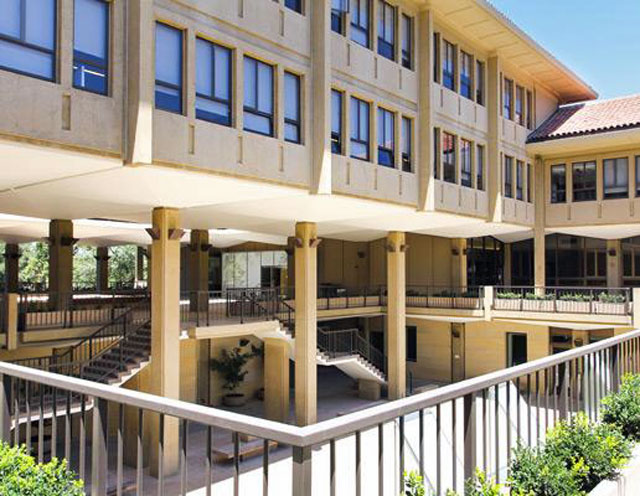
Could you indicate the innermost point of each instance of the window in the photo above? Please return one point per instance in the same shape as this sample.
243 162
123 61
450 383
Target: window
386 30
294 5
558 183
480 167
584 181
529 184
506 99
519 118
28 37
407 42
466 68
292 110
449 157
436 57
258 97
213 82
359 129
516 349
339 8
508 176
360 22
336 122
386 137
638 176
412 344
480 82
448 66
519 180
436 153
465 163
529 110
91 45
168 68
616 178
407 144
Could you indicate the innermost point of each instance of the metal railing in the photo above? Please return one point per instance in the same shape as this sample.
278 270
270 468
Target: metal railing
444 433
344 297
582 300
349 342
444 297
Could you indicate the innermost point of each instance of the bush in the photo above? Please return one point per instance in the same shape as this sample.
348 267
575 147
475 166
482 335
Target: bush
413 484
20 475
622 409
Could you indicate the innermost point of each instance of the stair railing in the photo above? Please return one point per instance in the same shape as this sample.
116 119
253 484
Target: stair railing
348 342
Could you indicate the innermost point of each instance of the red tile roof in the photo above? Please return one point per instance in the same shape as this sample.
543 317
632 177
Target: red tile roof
589 118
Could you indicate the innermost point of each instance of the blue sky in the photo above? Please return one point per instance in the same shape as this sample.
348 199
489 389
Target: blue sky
598 39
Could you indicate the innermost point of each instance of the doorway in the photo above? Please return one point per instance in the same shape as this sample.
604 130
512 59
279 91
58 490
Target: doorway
457 353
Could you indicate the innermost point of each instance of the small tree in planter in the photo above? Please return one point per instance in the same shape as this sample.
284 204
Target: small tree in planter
231 366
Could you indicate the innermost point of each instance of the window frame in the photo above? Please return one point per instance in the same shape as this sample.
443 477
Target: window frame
466 167
437 152
213 97
581 190
507 98
164 84
480 166
358 140
558 191
256 111
298 9
466 75
615 195
357 26
508 176
337 138
519 108
386 48
437 58
406 54
296 123
90 60
510 356
338 16
529 181
385 114
449 167
480 82
520 180
529 107
449 58
406 157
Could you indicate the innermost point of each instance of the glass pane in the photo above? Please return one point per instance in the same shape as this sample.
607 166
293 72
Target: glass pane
359 150
213 111
40 23
168 98
406 136
355 116
204 68
254 266
168 54
292 133
10 18
291 92
250 81
90 27
257 123
25 60
240 270
89 77
222 72
389 131
336 112
381 127
364 121
265 88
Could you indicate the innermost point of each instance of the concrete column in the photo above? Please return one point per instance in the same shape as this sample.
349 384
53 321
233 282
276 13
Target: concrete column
507 264
61 243
198 273
11 268
306 289
11 316
459 263
614 263
396 315
165 331
276 379
149 271
291 262
102 268
494 166
539 245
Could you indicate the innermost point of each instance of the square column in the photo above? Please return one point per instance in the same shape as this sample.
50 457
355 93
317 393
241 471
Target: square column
61 243
396 315
539 243
459 263
102 268
11 267
198 269
306 289
276 379
165 331
614 263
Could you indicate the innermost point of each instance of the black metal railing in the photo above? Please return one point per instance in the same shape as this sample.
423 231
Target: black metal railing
444 297
349 342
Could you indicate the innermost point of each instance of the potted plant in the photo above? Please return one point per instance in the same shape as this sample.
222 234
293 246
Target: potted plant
231 366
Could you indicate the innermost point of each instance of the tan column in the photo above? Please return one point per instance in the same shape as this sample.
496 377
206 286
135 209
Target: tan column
459 263
198 273
539 245
102 268
149 271
306 382
424 31
61 243
276 379
494 166
396 315
507 264
614 263
291 262
165 330
11 267
140 256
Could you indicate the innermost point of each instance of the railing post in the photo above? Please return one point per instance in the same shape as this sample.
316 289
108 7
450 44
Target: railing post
614 369
636 307
301 475
5 408
488 302
11 320
99 448
469 436
564 391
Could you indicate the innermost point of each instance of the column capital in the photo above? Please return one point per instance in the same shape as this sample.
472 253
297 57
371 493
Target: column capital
306 235
396 242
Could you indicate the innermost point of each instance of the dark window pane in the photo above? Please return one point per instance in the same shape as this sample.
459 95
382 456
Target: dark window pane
508 177
584 181
616 178
359 129
517 349
294 5
558 184
360 22
90 45
336 122
465 163
449 157
292 113
168 68
213 82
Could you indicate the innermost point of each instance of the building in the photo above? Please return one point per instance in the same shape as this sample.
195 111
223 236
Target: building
435 149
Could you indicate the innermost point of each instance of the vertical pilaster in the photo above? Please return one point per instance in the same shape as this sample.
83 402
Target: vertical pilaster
11 267
539 245
165 331
306 259
614 263
425 66
396 315
494 178
102 268
61 243
276 379
459 263
507 264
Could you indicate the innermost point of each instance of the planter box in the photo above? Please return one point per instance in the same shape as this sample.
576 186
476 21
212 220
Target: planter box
627 484
564 306
538 305
611 308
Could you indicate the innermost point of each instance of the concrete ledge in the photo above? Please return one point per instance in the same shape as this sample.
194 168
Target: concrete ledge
628 484
231 330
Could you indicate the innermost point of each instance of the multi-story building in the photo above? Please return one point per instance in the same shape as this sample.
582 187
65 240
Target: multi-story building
466 203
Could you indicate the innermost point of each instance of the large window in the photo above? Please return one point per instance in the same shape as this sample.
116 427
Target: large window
507 98
449 66
558 183
336 122
360 15
359 129
168 68
339 9
516 349
386 137
412 344
466 71
258 97
294 5
213 82
28 37
407 42
616 178
449 157
508 176
407 145
519 105
465 163
480 167
386 30
480 82
91 45
519 180
292 108
584 181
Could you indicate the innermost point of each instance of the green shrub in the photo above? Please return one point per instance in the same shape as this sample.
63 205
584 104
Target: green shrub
538 297
611 298
20 475
622 409
413 484
508 295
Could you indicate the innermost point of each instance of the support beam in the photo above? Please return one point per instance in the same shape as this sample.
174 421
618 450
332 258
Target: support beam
276 379
306 381
61 243
396 315
165 332
614 263
102 268
425 122
11 268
